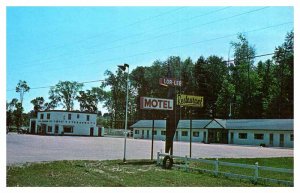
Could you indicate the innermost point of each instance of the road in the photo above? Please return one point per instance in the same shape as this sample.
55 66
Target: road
34 148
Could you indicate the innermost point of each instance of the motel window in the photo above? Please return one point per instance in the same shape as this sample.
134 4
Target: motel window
48 115
243 136
163 132
87 118
259 136
184 133
69 116
154 132
196 134
136 132
49 128
292 137
42 116
68 129
77 116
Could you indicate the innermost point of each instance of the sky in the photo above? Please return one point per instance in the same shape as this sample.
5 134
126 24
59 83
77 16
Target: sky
45 45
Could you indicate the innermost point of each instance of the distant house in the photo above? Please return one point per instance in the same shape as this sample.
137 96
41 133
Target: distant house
264 132
58 122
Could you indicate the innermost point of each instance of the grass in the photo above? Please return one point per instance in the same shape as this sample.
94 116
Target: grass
134 173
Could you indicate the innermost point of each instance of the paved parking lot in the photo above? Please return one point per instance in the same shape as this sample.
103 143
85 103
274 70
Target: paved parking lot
33 148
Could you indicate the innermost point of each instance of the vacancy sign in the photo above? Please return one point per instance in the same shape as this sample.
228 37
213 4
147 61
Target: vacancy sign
190 100
156 103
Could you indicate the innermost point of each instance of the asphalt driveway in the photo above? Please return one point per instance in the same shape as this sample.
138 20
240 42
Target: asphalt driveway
34 148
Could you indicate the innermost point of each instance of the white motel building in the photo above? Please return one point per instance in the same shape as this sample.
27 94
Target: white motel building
58 122
258 132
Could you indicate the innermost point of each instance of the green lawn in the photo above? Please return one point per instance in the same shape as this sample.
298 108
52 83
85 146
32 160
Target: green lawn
135 173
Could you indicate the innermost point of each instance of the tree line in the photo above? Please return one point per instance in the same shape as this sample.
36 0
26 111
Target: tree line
232 89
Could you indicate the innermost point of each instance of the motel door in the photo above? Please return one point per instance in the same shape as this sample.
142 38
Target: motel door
56 129
281 140
231 137
142 134
271 139
147 134
92 131
99 131
33 125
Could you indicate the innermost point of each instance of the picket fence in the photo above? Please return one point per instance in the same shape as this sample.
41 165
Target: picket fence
216 163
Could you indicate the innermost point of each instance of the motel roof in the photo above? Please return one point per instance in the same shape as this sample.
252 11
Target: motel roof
237 124
65 111
196 124
148 124
260 124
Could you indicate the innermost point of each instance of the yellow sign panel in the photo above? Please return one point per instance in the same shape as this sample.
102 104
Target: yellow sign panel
189 100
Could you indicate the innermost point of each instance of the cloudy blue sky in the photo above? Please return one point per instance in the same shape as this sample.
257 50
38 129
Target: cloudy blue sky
48 44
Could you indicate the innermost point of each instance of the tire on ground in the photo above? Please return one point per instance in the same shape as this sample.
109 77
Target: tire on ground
167 162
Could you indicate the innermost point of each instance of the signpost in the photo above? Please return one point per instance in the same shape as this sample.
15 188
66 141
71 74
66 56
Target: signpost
190 101
155 104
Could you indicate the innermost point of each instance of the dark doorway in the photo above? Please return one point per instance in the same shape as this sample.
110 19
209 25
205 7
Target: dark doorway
43 129
32 129
92 131
176 136
142 134
281 140
99 131
231 138
147 134
217 136
56 129
204 137
271 139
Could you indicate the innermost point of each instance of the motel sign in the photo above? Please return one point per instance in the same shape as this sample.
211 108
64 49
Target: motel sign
170 82
156 103
189 100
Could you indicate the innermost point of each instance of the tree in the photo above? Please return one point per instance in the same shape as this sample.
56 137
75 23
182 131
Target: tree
284 76
201 86
215 71
38 105
22 88
64 93
224 100
117 96
10 107
242 77
88 100
17 113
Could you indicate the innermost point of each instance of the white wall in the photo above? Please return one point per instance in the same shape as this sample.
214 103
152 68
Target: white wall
266 140
159 136
80 125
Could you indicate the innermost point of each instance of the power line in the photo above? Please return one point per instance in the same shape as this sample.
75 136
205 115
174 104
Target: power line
126 37
257 56
177 31
180 46
112 30
42 87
